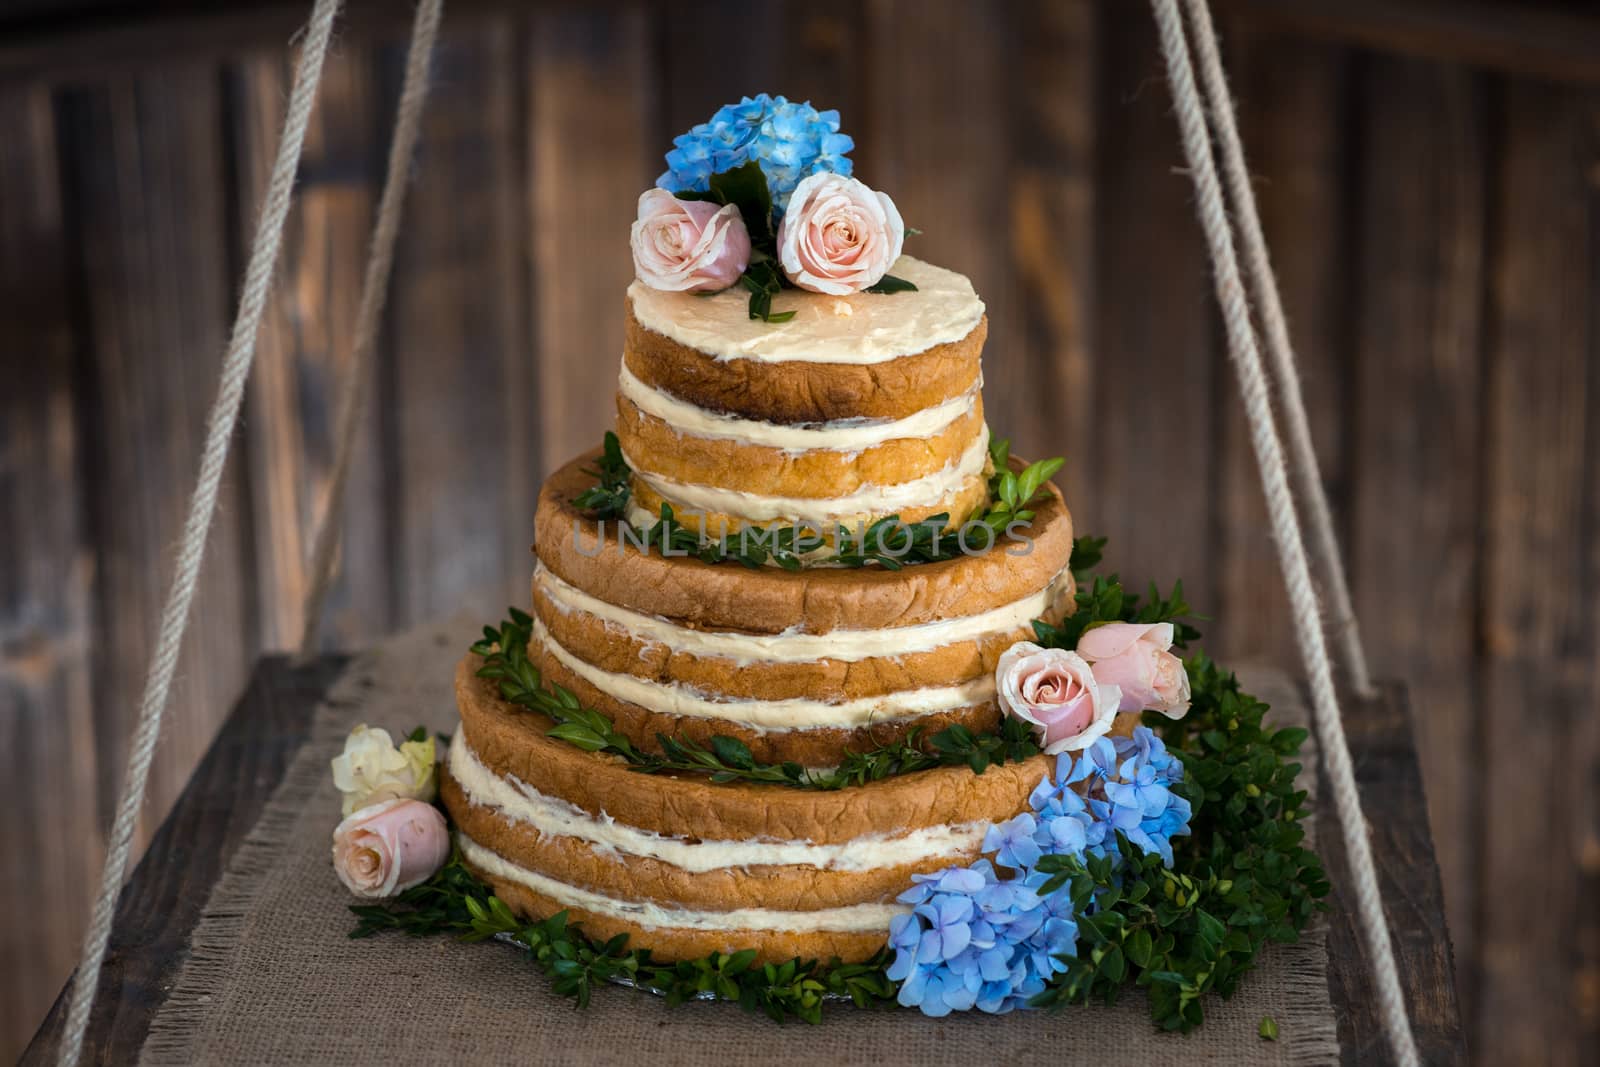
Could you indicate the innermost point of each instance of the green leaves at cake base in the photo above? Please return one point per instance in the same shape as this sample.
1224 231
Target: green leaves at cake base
455 902
1242 879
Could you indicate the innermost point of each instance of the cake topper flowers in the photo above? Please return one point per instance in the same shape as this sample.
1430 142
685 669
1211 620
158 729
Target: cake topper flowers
788 141
838 237
685 246
779 209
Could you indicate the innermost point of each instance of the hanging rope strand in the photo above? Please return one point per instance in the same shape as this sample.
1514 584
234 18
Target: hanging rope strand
1285 528
374 290
1280 352
202 507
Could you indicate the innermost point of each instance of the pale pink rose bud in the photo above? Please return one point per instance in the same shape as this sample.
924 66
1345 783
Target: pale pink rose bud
688 246
1055 691
1133 657
838 236
388 847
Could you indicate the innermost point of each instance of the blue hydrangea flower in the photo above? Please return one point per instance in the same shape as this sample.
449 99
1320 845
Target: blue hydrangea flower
1069 825
975 940
1151 750
963 880
905 934
1058 930
1156 834
1011 904
790 140
1013 842
933 988
1140 801
947 927
1097 763
1140 788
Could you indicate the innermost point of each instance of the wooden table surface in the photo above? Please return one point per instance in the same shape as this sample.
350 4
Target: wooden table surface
163 900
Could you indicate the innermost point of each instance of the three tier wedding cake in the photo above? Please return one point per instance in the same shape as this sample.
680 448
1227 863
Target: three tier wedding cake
819 696
856 407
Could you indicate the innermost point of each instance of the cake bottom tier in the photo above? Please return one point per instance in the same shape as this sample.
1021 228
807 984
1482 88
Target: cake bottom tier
677 934
686 867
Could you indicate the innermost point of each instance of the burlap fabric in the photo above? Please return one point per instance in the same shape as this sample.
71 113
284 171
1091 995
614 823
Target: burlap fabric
272 978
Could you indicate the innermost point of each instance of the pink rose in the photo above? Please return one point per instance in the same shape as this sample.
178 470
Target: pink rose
838 236
1133 657
688 245
388 847
1057 692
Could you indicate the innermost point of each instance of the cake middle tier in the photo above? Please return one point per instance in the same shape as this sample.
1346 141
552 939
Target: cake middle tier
800 666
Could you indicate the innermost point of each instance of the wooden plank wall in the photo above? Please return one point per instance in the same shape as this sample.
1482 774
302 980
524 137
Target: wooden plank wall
1437 232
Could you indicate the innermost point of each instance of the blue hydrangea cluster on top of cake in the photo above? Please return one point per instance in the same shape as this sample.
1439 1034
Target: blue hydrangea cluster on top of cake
790 141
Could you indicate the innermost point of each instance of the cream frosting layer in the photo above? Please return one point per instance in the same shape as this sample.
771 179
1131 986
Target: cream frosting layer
844 435
852 919
794 646
861 328
790 714
926 491
554 817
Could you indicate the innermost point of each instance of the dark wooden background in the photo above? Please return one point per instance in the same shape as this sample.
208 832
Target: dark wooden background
1430 177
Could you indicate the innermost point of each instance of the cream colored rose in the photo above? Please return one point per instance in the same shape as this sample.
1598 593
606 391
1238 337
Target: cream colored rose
371 769
688 245
838 236
1134 657
1056 692
388 847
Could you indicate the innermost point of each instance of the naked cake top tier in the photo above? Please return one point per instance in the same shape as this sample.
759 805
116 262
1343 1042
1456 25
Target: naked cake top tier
858 407
853 328
786 365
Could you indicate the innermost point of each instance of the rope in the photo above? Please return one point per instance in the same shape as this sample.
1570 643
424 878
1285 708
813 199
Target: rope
202 507
1285 526
374 289
1280 353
